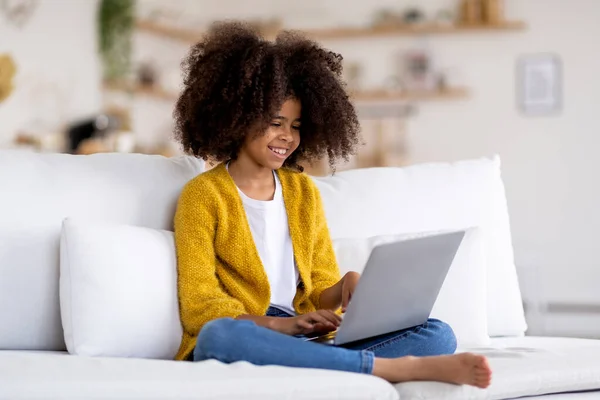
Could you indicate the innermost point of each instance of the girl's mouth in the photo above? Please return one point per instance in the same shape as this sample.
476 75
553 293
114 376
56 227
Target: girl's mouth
279 152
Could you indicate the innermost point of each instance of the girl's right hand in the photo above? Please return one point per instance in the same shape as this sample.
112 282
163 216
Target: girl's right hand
320 321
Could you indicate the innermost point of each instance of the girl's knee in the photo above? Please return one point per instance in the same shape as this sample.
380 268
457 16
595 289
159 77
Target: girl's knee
445 338
215 336
218 335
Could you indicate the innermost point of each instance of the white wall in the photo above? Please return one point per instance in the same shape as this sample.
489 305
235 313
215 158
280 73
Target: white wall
550 164
58 76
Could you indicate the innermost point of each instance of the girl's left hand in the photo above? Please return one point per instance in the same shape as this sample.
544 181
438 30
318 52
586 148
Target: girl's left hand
349 282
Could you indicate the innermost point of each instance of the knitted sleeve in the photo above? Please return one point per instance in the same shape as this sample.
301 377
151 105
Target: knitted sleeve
325 271
201 298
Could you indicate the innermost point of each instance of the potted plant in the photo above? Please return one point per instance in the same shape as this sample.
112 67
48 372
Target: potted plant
115 24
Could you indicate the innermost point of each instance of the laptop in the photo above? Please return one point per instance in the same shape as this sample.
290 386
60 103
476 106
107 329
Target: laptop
398 287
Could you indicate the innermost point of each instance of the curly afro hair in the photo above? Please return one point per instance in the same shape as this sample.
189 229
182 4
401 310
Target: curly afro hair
235 81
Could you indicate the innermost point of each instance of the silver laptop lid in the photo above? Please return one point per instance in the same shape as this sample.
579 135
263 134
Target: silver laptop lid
399 286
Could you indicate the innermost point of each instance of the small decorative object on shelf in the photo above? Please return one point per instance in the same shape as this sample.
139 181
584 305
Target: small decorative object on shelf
33 138
124 142
393 84
92 146
418 71
445 17
121 116
492 11
386 18
413 16
106 132
352 74
26 140
442 84
147 74
91 131
470 12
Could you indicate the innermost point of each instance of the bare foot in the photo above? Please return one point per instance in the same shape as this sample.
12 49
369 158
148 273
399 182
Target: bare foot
461 369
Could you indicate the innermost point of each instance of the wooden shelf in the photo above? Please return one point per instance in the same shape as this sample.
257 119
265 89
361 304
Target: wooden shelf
192 36
421 29
185 35
381 95
157 93
149 91
366 96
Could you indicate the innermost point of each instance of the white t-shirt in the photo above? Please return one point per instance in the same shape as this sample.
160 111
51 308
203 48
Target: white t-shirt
271 233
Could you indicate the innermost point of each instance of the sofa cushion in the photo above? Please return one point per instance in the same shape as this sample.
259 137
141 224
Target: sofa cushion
523 367
462 298
118 290
434 197
51 375
37 192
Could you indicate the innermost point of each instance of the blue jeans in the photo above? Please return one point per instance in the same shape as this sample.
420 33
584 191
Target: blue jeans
229 340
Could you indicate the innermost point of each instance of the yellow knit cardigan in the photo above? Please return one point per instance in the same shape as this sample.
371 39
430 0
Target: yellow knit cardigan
220 273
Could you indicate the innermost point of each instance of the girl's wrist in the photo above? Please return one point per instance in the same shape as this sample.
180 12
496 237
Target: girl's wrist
281 325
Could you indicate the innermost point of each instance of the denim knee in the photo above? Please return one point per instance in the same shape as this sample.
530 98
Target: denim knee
216 336
444 338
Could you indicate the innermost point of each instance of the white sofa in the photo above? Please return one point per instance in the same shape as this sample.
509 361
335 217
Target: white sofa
37 192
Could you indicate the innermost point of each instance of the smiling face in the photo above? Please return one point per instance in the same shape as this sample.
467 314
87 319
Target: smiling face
280 140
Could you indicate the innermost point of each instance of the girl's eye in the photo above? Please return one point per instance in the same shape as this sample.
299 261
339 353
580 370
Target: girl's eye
296 128
275 124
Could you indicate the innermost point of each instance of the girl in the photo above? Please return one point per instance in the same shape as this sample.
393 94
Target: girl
255 261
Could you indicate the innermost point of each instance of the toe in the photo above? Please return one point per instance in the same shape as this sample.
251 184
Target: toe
482 378
483 383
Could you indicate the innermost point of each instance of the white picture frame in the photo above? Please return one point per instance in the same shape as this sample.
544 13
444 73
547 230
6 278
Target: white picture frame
539 84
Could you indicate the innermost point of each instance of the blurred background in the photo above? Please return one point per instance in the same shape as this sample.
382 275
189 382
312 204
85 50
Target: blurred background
433 80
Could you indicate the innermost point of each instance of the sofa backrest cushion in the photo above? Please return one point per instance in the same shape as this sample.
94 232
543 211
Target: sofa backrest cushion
434 197
37 191
462 300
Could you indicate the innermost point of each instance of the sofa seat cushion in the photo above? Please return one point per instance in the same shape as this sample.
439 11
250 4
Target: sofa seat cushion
56 375
524 366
